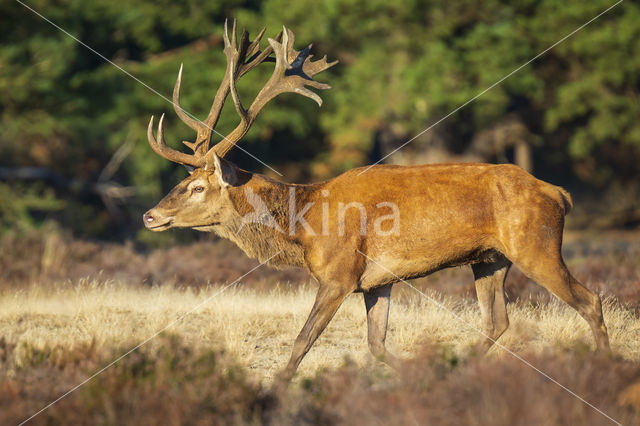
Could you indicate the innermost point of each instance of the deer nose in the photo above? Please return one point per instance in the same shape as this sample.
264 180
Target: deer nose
148 218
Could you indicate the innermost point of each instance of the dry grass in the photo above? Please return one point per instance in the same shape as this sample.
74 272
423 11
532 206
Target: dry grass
216 365
258 328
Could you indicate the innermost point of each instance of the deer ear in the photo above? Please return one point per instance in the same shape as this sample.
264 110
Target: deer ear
223 169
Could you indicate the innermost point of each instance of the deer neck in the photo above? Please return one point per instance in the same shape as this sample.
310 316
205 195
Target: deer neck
258 221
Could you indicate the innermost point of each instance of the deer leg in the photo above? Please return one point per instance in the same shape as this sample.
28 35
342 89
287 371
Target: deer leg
552 273
328 299
489 281
377 303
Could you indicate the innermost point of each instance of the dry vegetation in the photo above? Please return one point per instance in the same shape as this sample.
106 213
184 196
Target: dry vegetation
215 366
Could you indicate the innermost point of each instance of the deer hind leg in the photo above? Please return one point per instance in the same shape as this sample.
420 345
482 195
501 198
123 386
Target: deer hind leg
539 257
489 281
328 300
377 303
552 273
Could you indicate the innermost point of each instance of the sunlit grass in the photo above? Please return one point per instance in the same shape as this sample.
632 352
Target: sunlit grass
258 328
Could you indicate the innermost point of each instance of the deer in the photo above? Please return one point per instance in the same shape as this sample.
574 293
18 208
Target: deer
426 217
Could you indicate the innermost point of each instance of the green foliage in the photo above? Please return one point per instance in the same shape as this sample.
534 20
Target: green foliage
22 205
403 65
406 64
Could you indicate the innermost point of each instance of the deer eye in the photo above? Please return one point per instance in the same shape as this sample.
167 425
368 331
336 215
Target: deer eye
198 189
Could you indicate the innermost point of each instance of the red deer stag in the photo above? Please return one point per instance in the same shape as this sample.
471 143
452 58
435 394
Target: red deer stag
426 218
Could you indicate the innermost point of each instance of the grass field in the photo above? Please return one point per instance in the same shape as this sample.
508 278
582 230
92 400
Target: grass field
215 362
258 328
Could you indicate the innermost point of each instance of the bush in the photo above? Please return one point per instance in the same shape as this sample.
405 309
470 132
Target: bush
162 383
439 388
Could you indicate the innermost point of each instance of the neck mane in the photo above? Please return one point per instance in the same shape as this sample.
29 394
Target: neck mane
259 236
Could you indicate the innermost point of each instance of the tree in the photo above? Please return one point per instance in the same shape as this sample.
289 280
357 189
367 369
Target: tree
403 66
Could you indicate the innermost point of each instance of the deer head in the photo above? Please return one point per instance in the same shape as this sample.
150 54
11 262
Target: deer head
200 201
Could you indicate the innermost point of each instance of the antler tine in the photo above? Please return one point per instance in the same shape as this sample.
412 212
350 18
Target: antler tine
186 118
229 50
234 33
256 57
236 99
293 73
225 35
161 148
288 39
254 47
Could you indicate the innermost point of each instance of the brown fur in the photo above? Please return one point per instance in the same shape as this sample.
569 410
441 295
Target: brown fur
488 216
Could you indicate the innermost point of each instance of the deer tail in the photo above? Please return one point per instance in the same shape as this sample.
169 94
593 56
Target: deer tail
566 199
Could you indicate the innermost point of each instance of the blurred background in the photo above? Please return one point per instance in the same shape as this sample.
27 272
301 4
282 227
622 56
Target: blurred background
82 281
75 163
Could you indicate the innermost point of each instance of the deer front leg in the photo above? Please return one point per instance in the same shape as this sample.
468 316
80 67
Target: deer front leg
489 281
329 298
377 303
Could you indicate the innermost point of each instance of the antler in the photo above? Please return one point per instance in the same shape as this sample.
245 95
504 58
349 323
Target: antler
162 149
293 71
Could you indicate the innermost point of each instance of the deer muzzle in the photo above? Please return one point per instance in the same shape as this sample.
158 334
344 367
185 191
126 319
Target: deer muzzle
155 221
